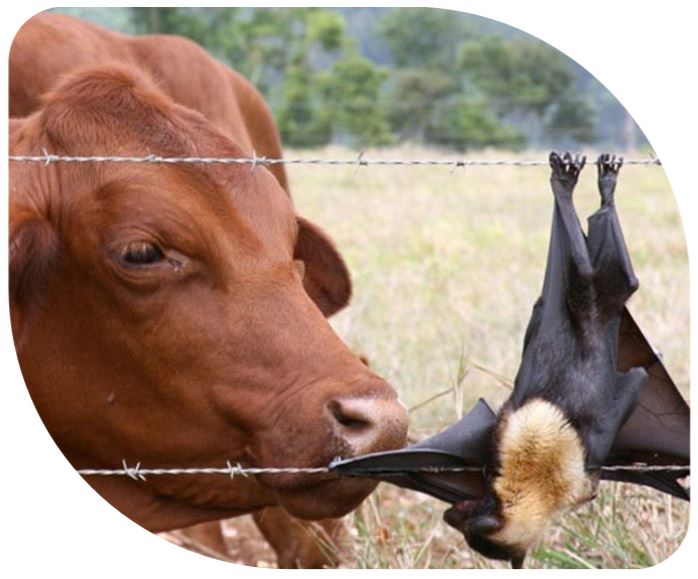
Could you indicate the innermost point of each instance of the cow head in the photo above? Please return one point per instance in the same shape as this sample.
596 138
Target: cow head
173 314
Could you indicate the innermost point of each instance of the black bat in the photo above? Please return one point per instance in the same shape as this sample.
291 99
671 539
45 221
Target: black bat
590 392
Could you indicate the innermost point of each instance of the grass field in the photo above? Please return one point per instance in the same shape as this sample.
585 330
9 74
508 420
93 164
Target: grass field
446 267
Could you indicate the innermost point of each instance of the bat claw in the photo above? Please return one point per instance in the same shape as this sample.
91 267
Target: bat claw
608 167
565 171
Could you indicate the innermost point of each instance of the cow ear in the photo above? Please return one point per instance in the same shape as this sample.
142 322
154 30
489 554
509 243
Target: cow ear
33 249
326 279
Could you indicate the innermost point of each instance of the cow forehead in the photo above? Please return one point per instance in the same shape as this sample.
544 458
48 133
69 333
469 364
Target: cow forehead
195 210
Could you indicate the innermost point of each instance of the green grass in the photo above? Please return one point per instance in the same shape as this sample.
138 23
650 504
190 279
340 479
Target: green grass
446 268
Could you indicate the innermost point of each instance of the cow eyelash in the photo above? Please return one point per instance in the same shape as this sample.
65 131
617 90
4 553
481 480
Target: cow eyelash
142 253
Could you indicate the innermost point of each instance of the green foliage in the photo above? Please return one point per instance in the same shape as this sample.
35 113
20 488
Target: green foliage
434 76
520 73
573 116
169 21
440 60
526 76
419 37
302 119
427 105
326 28
415 92
470 123
352 89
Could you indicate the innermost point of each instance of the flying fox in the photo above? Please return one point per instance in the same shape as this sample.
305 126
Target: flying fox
591 396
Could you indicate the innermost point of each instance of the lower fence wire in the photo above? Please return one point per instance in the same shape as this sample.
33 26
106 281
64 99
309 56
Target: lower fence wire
137 472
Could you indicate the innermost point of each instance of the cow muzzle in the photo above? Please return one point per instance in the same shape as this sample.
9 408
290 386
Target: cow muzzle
360 424
368 424
347 419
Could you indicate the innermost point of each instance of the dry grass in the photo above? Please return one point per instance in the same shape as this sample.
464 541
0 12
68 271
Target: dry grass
446 269
625 527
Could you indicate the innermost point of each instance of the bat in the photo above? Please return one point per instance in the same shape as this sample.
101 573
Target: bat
590 393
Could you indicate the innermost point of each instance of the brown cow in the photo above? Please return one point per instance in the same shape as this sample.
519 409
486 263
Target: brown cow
174 314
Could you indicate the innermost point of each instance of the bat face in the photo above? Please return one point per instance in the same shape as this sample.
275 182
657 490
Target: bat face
479 521
539 472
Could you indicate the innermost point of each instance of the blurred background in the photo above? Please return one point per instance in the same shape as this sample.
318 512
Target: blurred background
446 265
363 77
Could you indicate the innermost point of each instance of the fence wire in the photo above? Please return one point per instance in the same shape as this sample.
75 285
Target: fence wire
360 161
231 470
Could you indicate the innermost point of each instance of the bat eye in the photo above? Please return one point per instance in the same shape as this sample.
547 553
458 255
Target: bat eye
484 525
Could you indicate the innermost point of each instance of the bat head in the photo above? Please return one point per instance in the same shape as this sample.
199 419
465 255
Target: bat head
480 522
537 471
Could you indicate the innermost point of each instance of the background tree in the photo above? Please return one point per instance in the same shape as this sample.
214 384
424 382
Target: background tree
371 76
352 96
469 123
428 97
301 116
412 97
522 79
423 38
169 21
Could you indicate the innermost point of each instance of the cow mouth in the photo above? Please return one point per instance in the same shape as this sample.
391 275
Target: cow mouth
300 482
303 481
328 498
319 495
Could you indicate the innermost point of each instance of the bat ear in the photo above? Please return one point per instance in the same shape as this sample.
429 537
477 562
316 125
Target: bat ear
484 525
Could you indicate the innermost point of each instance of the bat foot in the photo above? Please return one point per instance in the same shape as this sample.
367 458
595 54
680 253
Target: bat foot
565 172
608 167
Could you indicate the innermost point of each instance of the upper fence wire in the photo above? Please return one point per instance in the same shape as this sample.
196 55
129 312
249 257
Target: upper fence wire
361 160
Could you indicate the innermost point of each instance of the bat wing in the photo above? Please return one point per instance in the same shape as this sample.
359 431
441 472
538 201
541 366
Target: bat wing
464 445
657 432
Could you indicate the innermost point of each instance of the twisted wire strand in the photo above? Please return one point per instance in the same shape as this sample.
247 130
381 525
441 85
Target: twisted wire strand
136 472
360 161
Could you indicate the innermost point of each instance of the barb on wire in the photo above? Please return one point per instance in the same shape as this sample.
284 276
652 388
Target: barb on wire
360 161
139 473
457 163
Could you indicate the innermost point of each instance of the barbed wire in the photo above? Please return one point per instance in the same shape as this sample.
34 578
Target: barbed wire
137 472
232 470
359 161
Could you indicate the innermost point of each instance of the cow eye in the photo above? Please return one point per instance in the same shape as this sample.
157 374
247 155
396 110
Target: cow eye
142 253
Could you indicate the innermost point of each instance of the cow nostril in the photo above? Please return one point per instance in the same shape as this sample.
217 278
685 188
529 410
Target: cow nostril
350 418
368 423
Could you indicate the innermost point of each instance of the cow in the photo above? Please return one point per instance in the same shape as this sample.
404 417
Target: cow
176 314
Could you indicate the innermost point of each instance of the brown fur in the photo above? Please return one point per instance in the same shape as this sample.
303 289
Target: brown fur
541 471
